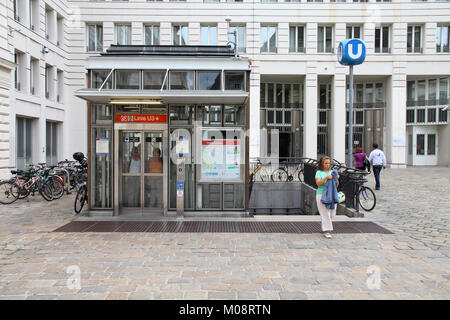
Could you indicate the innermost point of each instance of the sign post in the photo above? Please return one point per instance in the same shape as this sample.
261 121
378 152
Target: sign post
347 56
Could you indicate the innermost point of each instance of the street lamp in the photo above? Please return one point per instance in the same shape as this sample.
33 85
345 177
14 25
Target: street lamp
228 19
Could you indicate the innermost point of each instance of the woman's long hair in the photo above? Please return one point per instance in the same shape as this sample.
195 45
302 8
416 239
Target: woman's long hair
320 166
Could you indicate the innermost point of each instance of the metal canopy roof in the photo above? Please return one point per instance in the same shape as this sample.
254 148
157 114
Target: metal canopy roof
169 50
167 96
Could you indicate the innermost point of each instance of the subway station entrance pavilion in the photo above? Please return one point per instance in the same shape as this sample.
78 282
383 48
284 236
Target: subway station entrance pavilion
151 108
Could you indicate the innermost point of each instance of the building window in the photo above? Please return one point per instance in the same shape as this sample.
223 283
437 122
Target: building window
382 40
268 39
442 38
325 39
98 77
209 80
414 39
95 37
431 144
353 32
59 30
209 35
34 15
127 79
443 91
297 39
180 35
151 35
51 143
60 88
421 91
420 115
49 23
153 80
49 85
420 149
20 71
24 142
235 80
182 80
410 93
240 37
123 34
34 76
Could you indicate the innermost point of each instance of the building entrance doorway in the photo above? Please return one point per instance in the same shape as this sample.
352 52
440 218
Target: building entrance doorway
142 166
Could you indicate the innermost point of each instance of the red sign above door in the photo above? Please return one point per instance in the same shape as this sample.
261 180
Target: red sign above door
153 118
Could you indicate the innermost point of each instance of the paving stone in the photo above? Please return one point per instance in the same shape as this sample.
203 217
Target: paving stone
293 296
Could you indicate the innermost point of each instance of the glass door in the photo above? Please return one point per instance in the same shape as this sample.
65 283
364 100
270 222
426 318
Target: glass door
153 170
141 171
131 169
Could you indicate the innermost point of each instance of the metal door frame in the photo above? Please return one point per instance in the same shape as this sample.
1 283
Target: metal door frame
143 128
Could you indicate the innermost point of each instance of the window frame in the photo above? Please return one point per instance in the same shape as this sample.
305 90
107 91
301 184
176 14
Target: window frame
267 49
116 33
297 49
152 36
324 27
181 26
439 35
209 28
96 36
413 48
244 35
381 28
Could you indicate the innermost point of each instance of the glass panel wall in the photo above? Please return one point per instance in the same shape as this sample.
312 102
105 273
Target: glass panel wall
98 77
235 80
128 79
24 142
209 80
182 80
102 167
102 156
153 80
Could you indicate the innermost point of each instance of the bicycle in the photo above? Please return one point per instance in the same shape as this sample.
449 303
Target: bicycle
282 174
80 198
366 198
21 188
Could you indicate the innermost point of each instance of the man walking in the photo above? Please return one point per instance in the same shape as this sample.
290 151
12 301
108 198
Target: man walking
378 160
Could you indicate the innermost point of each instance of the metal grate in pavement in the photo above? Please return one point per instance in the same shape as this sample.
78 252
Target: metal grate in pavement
220 226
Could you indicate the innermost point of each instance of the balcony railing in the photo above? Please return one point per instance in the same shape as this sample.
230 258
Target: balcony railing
368 105
280 105
426 115
432 102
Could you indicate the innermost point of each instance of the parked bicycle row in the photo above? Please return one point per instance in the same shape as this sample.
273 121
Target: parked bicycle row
303 170
49 181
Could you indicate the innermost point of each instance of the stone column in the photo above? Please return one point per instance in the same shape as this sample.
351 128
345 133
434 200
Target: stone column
310 112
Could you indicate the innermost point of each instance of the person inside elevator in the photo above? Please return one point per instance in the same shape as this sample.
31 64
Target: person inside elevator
155 162
154 184
134 165
132 188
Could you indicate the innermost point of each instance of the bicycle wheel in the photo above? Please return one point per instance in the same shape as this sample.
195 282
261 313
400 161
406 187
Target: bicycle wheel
9 192
301 178
279 175
46 191
79 200
57 186
366 198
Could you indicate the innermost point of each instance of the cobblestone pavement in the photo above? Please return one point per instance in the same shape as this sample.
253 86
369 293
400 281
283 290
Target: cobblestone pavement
412 263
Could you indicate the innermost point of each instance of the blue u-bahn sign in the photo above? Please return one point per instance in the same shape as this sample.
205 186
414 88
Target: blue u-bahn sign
351 52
